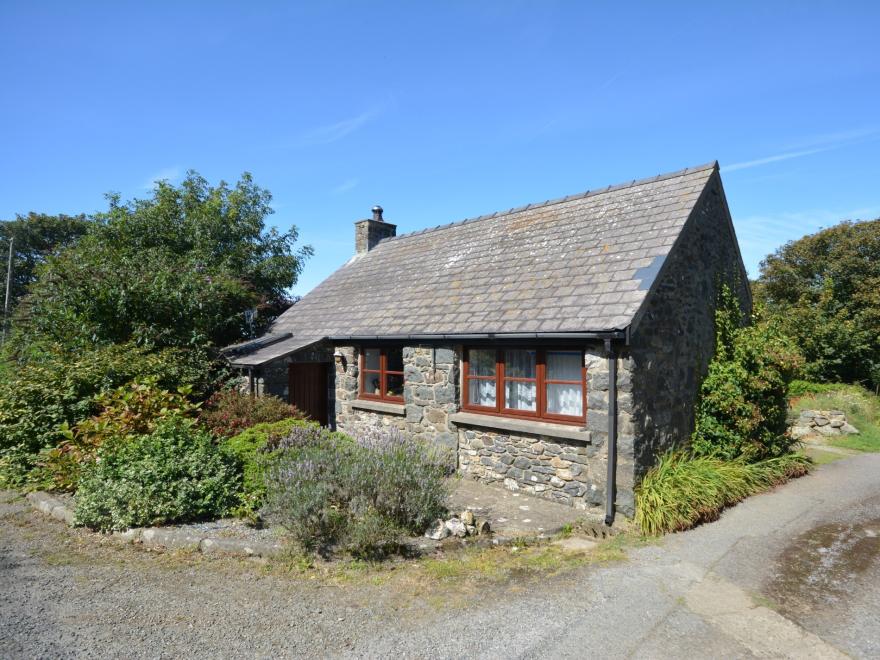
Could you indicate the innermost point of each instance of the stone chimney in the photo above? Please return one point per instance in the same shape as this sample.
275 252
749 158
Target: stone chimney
368 233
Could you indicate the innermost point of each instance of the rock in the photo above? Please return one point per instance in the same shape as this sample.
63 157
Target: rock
837 423
456 527
483 528
821 421
467 517
827 430
798 432
437 531
471 530
808 414
849 429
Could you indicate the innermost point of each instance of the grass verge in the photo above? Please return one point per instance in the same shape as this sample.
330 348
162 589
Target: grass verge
682 491
862 410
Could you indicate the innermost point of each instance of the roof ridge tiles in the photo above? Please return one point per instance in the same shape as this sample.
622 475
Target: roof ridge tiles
560 200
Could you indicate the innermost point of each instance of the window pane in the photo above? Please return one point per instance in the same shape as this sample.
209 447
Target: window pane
481 392
371 358
565 400
519 364
394 385
520 395
394 359
563 365
371 383
481 362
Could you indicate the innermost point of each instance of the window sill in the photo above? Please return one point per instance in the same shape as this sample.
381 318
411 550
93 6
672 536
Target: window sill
565 431
379 406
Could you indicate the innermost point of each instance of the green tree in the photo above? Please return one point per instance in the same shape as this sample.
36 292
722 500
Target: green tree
824 289
36 237
177 269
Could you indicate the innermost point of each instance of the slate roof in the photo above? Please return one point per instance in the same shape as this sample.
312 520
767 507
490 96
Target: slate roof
582 263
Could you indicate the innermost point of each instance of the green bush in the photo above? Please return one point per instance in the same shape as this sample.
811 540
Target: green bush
175 474
824 289
743 402
50 389
361 496
229 412
135 409
252 449
684 490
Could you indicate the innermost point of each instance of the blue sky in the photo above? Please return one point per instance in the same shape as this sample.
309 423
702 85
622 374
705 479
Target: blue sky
440 111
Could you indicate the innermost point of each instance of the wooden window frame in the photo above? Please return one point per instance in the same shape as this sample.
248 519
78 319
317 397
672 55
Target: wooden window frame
383 373
541 382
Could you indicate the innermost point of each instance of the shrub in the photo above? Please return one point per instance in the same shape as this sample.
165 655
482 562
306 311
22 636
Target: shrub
137 408
229 412
684 490
51 388
175 474
361 495
742 408
252 448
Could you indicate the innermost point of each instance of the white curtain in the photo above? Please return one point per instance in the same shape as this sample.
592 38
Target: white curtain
520 395
482 392
565 399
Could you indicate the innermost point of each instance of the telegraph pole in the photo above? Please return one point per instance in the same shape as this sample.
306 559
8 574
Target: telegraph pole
8 287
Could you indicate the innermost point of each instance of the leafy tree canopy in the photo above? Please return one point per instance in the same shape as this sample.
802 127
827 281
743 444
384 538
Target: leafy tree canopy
36 236
177 269
825 291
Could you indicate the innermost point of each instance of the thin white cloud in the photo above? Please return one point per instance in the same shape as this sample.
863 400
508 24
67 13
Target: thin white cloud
345 186
338 130
170 174
816 144
760 235
775 159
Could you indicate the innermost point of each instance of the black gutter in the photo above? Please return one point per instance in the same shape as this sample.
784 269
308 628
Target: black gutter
611 477
606 335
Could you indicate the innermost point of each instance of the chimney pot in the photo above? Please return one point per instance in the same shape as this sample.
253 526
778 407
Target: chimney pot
377 213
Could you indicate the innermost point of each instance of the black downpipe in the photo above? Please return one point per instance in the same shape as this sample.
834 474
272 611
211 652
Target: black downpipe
611 479
251 384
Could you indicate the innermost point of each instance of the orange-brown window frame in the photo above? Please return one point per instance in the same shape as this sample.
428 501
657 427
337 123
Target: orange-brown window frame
540 413
383 372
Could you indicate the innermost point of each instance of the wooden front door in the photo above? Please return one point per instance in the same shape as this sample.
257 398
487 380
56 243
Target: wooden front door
308 389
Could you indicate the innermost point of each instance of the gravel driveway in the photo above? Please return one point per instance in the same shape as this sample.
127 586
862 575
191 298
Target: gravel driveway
793 573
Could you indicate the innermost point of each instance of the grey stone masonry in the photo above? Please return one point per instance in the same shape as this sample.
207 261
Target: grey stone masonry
675 335
430 394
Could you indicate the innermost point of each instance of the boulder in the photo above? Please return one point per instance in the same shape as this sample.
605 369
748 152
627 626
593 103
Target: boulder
438 530
821 420
456 527
849 429
467 517
483 528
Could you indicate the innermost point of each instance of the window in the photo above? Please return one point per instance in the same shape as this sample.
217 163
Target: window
382 373
544 384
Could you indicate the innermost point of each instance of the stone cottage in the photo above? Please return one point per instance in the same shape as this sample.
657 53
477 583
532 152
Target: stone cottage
554 348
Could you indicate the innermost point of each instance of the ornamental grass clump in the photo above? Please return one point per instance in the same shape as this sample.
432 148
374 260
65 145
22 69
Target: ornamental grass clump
361 496
684 490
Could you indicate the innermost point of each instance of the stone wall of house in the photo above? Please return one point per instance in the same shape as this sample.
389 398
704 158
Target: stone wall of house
430 391
674 339
564 470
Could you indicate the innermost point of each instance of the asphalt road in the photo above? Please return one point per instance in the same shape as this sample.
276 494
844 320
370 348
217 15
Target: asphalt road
793 573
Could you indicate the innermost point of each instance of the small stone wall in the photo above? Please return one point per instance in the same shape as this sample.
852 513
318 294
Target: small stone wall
821 423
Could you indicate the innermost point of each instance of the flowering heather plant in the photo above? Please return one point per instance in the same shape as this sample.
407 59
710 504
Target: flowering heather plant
362 494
